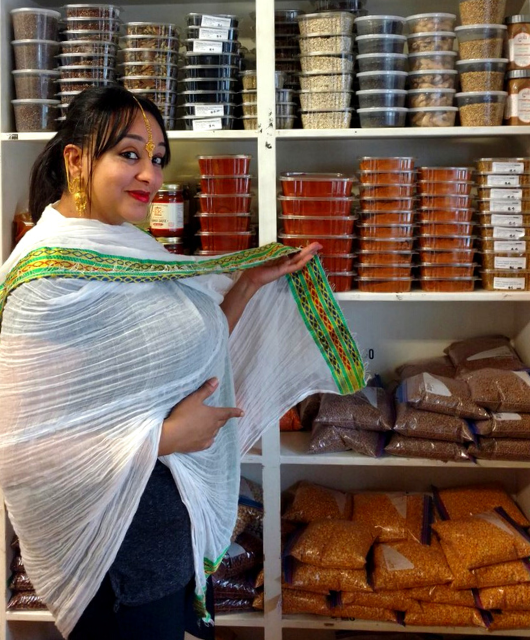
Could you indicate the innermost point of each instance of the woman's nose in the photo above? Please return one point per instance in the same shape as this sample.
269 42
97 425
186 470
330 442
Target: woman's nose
147 171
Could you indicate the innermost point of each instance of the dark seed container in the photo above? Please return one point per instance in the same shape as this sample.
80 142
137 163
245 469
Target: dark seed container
201 111
219 21
150 42
89 46
211 46
92 11
209 97
199 84
66 97
213 59
154 83
35 54
158 97
87 71
36 115
95 36
35 84
86 59
35 24
210 71
204 33
149 69
227 122
382 62
93 24
158 29
80 84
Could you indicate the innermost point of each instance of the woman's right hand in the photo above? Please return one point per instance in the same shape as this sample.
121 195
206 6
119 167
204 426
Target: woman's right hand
193 425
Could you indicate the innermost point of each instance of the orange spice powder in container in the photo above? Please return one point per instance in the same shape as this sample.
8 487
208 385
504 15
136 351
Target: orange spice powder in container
518 42
518 104
167 212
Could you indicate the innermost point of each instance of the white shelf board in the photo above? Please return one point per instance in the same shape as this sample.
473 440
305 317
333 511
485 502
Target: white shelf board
29 616
172 135
419 296
294 447
405 132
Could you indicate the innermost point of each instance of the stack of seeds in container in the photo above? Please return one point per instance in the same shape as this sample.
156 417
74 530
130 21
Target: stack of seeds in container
326 46
386 224
504 216
150 67
317 207
287 50
481 41
210 90
382 88
35 46
284 99
430 43
446 229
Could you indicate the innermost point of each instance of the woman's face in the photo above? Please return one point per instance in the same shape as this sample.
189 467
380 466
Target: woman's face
125 180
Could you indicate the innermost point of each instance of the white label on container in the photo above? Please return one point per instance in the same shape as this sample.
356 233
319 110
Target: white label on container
503 181
524 376
508 233
506 194
504 417
235 550
523 106
212 34
209 110
506 221
435 386
509 263
506 206
509 284
394 560
167 216
519 50
502 246
496 521
370 393
399 502
207 47
507 167
215 22
498 352
512 106
340 499
207 124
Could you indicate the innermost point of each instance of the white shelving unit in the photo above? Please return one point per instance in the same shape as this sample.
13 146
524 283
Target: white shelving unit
391 327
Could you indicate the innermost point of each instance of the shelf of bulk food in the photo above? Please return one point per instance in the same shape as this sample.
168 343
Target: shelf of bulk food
404 132
422 296
172 135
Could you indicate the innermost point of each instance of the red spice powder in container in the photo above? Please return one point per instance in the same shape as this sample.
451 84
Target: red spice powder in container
319 185
298 206
341 281
330 244
215 222
318 225
369 163
451 188
232 241
216 185
224 165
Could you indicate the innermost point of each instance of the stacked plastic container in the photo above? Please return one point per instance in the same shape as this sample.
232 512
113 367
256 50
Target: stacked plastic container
446 229
211 89
481 43
431 42
150 64
286 46
35 47
326 47
317 207
382 82
285 101
386 224
223 204
503 186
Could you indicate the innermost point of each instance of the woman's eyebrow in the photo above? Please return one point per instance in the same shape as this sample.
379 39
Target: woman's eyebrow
133 136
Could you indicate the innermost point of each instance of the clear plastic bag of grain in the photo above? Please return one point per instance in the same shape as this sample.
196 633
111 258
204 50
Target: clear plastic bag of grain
500 390
25 600
440 395
250 507
501 449
371 409
308 409
237 587
330 439
515 597
507 620
242 555
504 425
315 502
233 605
484 352
364 613
445 615
405 565
444 594
306 577
503 574
406 447
20 582
294 601
439 366
259 602
393 515
431 426
399 600
335 544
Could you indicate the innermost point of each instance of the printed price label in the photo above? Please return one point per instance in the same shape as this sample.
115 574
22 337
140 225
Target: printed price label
506 221
503 246
206 46
507 167
506 194
506 206
509 284
503 181
507 416
207 124
209 110
524 376
508 233
215 22
435 386
212 34
509 263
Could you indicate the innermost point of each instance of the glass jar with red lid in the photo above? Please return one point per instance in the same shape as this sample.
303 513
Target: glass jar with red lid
172 244
167 212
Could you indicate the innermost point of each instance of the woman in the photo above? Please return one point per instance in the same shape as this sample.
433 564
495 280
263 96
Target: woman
120 439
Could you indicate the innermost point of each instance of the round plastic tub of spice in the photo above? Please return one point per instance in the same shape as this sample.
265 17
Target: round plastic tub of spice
326 81
87 59
35 24
330 119
209 97
150 42
312 206
481 41
35 115
341 281
87 34
504 260
504 193
445 215
35 54
225 184
389 285
224 165
327 42
389 80
390 176
217 21
387 191
89 46
482 75
481 108
325 100
445 202
80 84
446 174
497 280
445 243
286 109
341 262
326 62
504 220
371 25
324 185
503 233
158 56
92 11
286 29
379 218
381 98
447 285
433 117
318 225
337 22
382 62
446 228
249 96
382 271
216 222
504 165
158 29
388 204
448 188
218 46
398 164
389 257
433 79
449 270
35 85
230 203
490 179
111 25
386 245
330 244
394 231
215 59
149 69
66 97
431 22
432 60
73 72
250 109
285 95
285 122
381 44
447 256
486 205
249 80
430 41
227 241
382 117
420 98
482 11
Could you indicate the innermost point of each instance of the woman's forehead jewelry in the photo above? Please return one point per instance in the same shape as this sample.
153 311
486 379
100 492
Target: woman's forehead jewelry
149 145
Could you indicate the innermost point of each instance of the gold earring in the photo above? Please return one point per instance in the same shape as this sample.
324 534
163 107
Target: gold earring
77 190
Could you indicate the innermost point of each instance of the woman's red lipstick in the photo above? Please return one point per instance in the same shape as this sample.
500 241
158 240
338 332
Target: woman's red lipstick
142 196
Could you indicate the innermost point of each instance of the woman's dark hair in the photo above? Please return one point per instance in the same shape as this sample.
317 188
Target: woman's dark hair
97 120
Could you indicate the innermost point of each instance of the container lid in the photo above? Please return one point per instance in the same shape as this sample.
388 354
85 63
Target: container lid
449 264
340 255
370 171
381 279
518 74
91 6
474 94
87 32
305 235
401 253
342 274
432 72
170 187
225 156
316 177
378 109
480 61
312 198
47 12
324 14
430 109
304 91
169 39
418 16
329 54
350 109
191 92
371 56
150 24
510 19
432 54
224 233
440 90
371 92
80 67
365 74
35 101
439 279
478 27
308 74
91 19
390 265
431 34
220 195
223 215
444 181
17 43
407 240
318 35
382 36
39 72
134 49
310 218
217 15
379 17
513 253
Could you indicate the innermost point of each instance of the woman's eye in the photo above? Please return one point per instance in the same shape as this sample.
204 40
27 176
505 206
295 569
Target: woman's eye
158 160
130 155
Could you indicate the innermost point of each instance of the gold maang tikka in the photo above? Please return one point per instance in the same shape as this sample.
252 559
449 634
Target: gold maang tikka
149 145
77 190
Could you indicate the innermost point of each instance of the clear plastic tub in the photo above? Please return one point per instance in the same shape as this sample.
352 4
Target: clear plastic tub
217 35
445 188
385 257
482 11
447 285
150 42
111 25
446 228
381 44
324 185
71 72
311 206
433 117
224 165
226 203
481 40
337 263
419 98
196 45
91 59
249 96
31 85
80 84
215 59
210 71
391 176
285 16
216 222
340 282
250 109
389 80
339 119
209 97
445 202
217 21
482 75
89 46
326 22
380 24
35 115
33 23
326 62
225 184
228 241
446 174
500 280
87 34
486 205
158 56
35 54
504 219
490 179
394 231
432 60
325 81
250 123
429 22
318 225
329 42
325 100
92 11
481 109
381 271
430 41
387 217
504 193
388 204
387 191
330 244
382 62
66 97
433 79
378 118
504 165
158 29
505 260
389 285
445 243
209 84
503 233
354 6
149 69
370 164
385 245
445 215
381 98
443 257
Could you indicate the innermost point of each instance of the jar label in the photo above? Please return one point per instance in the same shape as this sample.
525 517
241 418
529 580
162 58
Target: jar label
503 181
509 263
209 110
512 104
519 50
517 246
507 167
506 221
205 33
207 47
523 106
506 194
506 206
215 22
507 233
207 124
509 284
167 216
